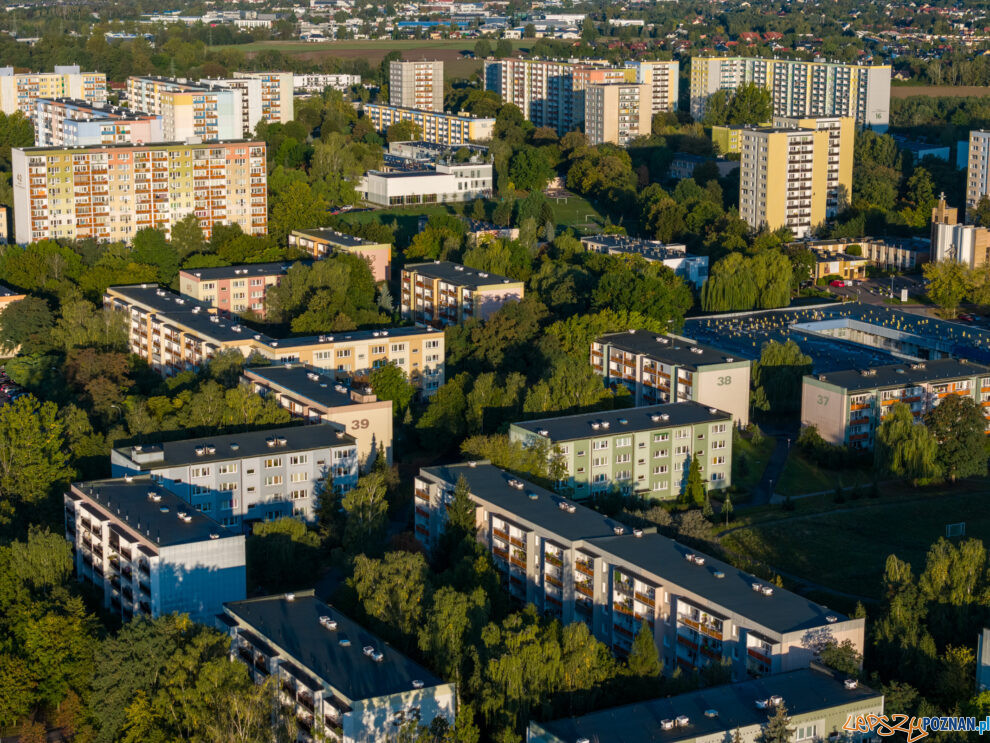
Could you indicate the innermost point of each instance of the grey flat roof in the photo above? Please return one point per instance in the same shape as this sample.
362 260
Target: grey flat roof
146 146
336 238
6 291
129 502
386 334
491 484
898 375
455 273
804 691
247 444
670 349
631 420
243 270
295 380
295 627
405 173
782 612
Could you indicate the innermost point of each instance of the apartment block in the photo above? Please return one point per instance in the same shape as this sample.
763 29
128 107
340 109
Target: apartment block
645 450
149 552
173 333
190 111
839 167
19 91
318 82
890 253
416 84
340 681
65 122
727 138
310 393
819 704
783 179
251 476
848 406
442 293
233 289
617 113
691 268
977 170
550 93
576 564
446 182
954 241
663 79
320 243
437 127
108 193
799 88
668 368
277 103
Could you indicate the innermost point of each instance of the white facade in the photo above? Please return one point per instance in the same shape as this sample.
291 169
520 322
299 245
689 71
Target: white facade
963 243
318 82
977 170
454 182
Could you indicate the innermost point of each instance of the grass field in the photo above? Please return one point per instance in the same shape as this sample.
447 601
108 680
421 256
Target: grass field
756 457
803 476
938 91
845 548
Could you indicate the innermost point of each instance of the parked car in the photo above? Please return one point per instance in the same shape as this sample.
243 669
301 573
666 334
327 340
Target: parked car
966 317
837 282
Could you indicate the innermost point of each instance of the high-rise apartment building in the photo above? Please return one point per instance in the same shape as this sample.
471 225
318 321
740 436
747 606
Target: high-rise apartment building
798 88
783 178
442 293
19 91
265 96
617 112
839 162
110 192
977 171
436 126
666 368
416 84
663 77
65 122
953 241
149 552
189 110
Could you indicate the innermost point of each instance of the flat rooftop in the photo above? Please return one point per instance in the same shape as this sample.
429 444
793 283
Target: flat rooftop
650 249
240 445
899 375
145 146
669 349
307 382
422 173
99 111
615 422
455 273
335 238
245 270
491 484
294 626
157 520
804 691
6 291
349 336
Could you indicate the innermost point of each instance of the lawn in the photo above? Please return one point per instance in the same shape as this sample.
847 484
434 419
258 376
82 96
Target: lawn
746 476
576 213
801 475
842 547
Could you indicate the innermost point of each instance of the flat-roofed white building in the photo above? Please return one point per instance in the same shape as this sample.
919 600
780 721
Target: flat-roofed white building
446 183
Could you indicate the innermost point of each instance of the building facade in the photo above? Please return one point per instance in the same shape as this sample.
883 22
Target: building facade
617 113
799 88
341 682
645 450
19 91
847 407
108 193
691 268
953 241
149 552
890 253
576 564
663 79
666 368
839 159
64 122
416 84
977 170
320 243
447 182
312 394
233 289
173 334
437 127
783 179
316 82
442 293
189 110
251 476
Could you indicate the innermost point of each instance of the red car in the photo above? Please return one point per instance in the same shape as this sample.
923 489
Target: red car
837 282
966 317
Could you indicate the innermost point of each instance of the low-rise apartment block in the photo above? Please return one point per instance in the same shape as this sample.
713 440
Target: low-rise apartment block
320 243
444 293
416 84
691 268
667 368
819 704
64 122
233 289
341 682
446 182
108 193
173 333
576 564
19 91
645 450
150 552
251 476
436 126
848 406
317 82
617 113
890 253
310 393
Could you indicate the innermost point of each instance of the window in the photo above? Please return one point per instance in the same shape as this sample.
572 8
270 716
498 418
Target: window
662 485
683 433
808 731
684 449
624 441
599 461
660 470
622 458
718 444
580 453
273 480
200 489
718 460
273 462
227 469
199 472
599 444
228 486
298 494
661 453
718 476
299 459
303 476
661 436
718 428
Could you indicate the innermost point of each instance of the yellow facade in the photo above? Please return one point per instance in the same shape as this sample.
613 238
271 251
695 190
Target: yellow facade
439 128
841 144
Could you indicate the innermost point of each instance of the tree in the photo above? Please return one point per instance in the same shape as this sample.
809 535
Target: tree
981 215
777 377
187 236
389 382
716 109
452 626
958 426
482 49
843 657
276 549
151 247
948 284
643 662
404 131
777 728
694 492
906 449
503 49
366 514
529 169
26 324
393 592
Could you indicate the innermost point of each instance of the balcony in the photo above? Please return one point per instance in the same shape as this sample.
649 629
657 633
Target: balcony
644 598
758 655
585 589
585 567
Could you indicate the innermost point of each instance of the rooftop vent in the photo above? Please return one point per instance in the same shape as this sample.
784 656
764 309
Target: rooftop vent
718 574
711 713
290 597
543 432
128 478
200 451
271 441
683 720
712 411
312 376
632 331
776 700
340 434
185 517
850 684
757 586
235 446
689 557
638 533
368 650
472 464
344 641
214 535
328 623
831 619
655 417
665 416
532 495
618 531
696 350
605 424
517 484
211 450
762 703
667 724
623 422
767 590
596 425
154 496
282 441
163 509
418 684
